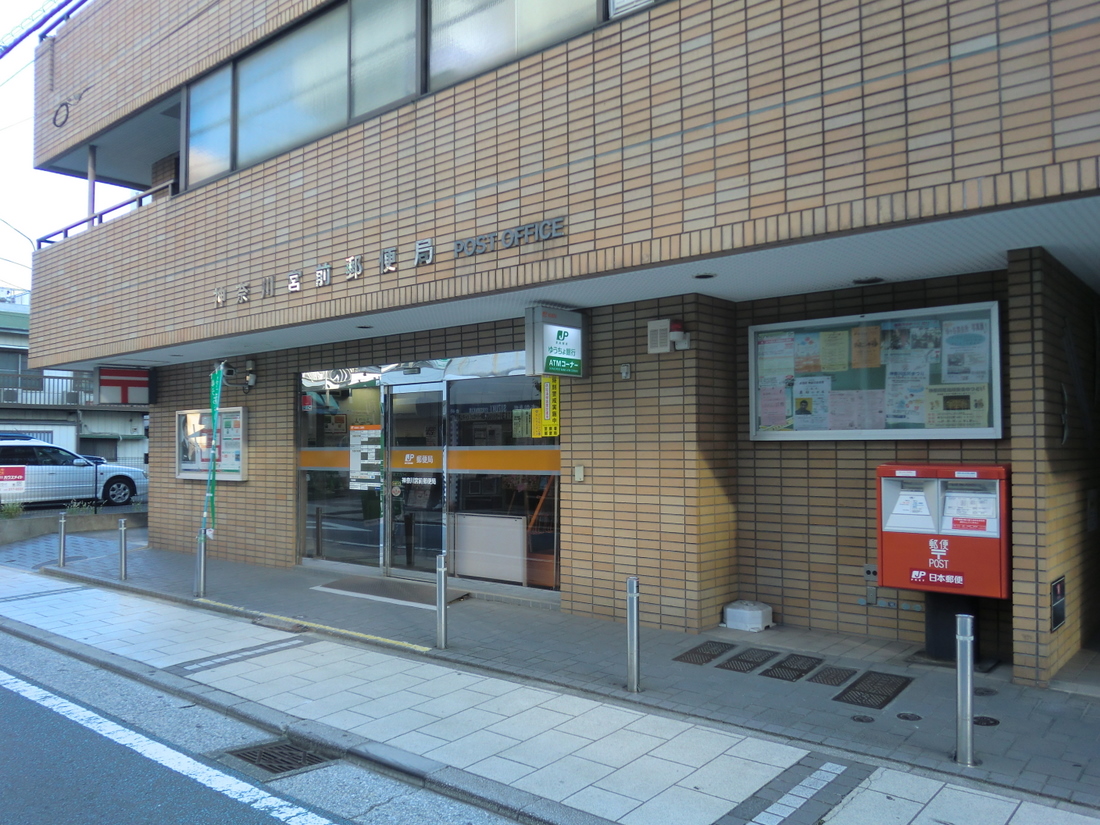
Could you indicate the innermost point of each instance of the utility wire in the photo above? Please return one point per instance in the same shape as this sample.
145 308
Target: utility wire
12 76
30 240
10 261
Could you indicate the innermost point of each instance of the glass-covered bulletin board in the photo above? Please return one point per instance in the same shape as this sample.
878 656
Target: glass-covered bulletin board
195 444
918 374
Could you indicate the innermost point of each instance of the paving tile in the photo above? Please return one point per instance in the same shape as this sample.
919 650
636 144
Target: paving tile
770 753
562 778
602 803
450 703
475 747
528 723
345 719
1031 814
545 748
618 748
873 808
696 746
677 805
387 685
516 700
571 705
460 724
394 725
500 770
660 726
730 778
965 805
599 722
644 777
444 684
905 785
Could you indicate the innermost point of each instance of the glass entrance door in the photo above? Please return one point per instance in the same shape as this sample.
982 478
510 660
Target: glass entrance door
415 486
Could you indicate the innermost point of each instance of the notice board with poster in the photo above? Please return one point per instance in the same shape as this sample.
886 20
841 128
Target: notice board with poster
917 374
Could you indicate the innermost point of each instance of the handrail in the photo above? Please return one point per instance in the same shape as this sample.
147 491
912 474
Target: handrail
97 218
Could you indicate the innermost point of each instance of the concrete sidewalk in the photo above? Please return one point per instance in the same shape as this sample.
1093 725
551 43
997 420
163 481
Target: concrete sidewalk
526 709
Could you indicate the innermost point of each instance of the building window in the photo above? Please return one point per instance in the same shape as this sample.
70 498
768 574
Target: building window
209 136
357 59
471 36
383 54
294 90
14 373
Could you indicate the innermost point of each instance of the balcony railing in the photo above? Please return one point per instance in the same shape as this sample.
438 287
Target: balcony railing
31 388
99 217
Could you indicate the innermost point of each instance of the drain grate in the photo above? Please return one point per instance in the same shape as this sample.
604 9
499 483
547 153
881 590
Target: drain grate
873 690
746 660
279 757
792 668
704 653
832 676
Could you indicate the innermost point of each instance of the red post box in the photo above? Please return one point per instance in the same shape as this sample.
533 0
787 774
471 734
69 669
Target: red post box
944 529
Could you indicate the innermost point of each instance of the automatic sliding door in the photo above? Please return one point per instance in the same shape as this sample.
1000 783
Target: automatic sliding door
415 482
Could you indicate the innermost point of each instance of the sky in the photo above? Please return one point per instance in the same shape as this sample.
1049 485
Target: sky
32 203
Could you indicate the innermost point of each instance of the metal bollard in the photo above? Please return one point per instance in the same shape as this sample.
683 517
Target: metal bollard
200 566
633 667
122 549
441 601
964 701
61 540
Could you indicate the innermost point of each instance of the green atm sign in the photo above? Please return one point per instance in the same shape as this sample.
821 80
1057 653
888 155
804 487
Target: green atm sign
555 342
563 351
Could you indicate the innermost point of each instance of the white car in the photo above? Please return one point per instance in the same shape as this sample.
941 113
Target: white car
34 471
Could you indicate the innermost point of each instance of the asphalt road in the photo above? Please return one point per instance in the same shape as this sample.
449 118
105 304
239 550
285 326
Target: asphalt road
58 770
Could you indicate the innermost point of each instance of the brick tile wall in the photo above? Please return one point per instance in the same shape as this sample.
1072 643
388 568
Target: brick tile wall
694 128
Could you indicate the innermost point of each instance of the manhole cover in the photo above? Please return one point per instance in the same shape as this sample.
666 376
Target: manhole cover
279 757
704 653
746 660
984 691
910 717
792 668
986 721
873 690
832 676
859 717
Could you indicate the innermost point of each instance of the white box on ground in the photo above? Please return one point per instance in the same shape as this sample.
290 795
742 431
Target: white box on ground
745 615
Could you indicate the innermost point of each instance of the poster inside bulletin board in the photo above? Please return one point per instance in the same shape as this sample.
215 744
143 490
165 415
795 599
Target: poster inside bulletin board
918 374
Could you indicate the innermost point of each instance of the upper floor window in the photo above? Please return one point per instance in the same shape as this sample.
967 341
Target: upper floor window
356 59
470 36
294 90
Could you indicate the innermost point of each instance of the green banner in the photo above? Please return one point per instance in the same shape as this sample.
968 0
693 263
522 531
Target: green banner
216 381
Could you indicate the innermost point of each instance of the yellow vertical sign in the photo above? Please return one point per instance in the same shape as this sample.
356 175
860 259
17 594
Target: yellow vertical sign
546 419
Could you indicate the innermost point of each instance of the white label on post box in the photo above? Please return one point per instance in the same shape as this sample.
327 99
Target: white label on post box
905 473
965 474
910 504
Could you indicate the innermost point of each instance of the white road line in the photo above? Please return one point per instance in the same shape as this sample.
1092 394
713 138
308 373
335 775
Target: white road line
173 760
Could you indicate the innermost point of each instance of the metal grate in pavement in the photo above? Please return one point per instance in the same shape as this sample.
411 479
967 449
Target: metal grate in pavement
792 668
279 757
832 676
704 653
873 690
746 660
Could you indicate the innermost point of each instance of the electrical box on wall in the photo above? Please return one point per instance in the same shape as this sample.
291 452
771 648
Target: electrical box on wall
944 529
